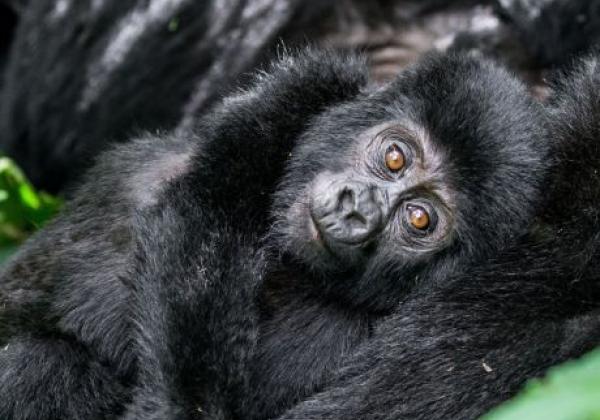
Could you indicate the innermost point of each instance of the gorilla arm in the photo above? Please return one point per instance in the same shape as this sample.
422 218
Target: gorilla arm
64 297
458 351
199 259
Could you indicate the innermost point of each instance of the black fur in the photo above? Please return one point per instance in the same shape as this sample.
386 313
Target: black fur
82 74
235 173
309 322
461 348
553 31
78 75
222 327
72 281
67 289
170 301
460 341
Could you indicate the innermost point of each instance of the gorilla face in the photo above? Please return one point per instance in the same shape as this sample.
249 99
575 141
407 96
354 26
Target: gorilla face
372 212
391 194
438 168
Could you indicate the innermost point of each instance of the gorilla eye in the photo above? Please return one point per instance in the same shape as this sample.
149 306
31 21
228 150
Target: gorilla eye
418 217
394 158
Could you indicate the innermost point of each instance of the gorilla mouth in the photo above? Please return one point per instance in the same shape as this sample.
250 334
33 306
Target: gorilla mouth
315 227
336 250
316 236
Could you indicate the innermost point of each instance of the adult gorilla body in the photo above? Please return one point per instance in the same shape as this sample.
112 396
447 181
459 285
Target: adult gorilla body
77 75
204 307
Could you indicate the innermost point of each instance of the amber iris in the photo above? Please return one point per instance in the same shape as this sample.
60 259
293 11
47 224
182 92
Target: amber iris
418 217
394 158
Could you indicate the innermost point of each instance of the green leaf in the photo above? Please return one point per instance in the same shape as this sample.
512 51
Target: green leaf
568 392
22 208
28 196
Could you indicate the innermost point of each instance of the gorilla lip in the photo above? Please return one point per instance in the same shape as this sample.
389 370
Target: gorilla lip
317 237
315 233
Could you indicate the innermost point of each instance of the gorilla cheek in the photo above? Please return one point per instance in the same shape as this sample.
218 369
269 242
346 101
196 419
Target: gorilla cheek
296 233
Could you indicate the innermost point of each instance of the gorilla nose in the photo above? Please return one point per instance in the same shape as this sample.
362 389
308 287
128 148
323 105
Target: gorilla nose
349 213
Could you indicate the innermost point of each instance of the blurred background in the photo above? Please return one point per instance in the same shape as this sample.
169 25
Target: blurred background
78 75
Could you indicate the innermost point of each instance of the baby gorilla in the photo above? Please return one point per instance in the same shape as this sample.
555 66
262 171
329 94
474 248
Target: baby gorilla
384 195
249 261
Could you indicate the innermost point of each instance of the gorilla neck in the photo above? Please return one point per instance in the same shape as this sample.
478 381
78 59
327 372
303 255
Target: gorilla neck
288 280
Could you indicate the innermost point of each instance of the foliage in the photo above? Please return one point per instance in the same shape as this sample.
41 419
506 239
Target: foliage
570 391
22 208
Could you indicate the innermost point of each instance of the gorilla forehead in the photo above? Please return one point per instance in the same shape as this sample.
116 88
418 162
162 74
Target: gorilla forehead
466 104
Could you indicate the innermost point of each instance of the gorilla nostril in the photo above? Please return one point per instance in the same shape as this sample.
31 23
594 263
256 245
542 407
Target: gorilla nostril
346 201
354 217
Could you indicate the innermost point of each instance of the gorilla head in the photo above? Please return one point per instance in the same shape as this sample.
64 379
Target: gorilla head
429 172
